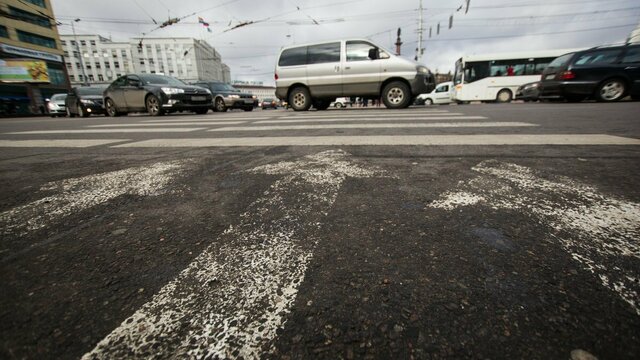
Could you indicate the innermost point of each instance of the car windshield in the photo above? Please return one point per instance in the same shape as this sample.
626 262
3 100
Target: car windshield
224 87
160 80
560 61
90 91
58 97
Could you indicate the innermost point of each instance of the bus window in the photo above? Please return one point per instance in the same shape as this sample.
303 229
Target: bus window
476 71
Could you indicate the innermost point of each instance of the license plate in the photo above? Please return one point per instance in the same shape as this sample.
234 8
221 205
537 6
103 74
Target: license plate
198 98
550 77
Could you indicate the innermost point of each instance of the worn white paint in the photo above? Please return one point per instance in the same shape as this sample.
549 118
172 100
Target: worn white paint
206 119
105 131
231 300
377 126
600 232
181 123
77 143
385 118
78 194
391 140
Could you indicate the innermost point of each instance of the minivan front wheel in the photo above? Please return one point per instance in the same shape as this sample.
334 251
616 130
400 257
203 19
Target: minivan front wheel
300 99
611 90
396 95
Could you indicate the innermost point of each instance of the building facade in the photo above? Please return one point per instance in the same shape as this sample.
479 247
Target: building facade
94 59
31 63
256 88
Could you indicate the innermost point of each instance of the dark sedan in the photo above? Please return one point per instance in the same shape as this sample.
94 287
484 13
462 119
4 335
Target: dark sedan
528 92
84 101
155 94
269 104
226 96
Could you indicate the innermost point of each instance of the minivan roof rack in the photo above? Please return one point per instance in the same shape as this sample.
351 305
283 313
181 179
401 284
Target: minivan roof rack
609 45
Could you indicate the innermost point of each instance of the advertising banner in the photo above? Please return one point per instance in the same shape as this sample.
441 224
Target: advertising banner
33 71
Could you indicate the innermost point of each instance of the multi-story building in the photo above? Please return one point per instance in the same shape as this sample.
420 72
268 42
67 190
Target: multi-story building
258 89
95 59
31 63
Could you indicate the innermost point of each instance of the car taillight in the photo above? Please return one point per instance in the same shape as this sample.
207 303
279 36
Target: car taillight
567 75
276 76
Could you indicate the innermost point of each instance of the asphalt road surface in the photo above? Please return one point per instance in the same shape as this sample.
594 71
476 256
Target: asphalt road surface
477 231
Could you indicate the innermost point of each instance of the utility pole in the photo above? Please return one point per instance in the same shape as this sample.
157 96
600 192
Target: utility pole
84 73
420 49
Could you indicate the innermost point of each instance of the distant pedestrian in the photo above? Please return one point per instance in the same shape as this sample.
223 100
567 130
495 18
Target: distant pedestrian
510 71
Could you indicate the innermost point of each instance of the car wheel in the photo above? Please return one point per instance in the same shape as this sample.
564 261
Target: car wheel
300 99
338 105
153 105
110 108
396 95
504 96
611 90
69 113
219 105
428 102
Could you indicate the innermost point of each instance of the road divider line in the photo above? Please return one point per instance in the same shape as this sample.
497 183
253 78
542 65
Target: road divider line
392 140
105 131
168 124
345 119
231 300
375 126
76 143
598 231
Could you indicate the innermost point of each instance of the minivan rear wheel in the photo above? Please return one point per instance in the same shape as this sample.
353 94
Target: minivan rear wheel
611 90
396 95
300 99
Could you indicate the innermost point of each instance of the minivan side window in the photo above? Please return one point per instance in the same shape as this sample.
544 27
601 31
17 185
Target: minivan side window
293 56
323 53
632 56
600 57
358 50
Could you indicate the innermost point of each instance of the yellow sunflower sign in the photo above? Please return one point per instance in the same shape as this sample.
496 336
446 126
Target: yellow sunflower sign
24 71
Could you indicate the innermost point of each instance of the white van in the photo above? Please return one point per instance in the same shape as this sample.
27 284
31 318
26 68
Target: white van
440 95
317 74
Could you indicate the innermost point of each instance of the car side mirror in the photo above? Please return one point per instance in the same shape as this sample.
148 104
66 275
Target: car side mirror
373 53
134 83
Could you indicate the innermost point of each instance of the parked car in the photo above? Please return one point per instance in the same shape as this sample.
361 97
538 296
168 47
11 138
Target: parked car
269 103
155 94
227 97
529 91
56 105
607 73
342 102
440 95
317 74
84 101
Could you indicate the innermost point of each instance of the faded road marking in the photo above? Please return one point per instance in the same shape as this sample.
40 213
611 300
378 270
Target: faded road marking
78 143
104 131
390 140
386 118
78 194
600 232
231 300
183 123
377 126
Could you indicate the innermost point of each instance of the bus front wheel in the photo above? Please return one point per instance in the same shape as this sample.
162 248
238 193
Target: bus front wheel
504 96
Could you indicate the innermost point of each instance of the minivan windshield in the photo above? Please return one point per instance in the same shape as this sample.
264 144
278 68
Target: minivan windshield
560 61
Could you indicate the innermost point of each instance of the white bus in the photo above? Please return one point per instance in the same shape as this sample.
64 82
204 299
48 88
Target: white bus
496 77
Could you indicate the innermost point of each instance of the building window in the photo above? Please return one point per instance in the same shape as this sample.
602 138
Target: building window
37 2
83 43
141 62
92 42
80 78
72 78
100 77
107 65
29 17
63 42
88 66
91 78
3 32
116 65
73 42
124 53
76 54
36 39
98 66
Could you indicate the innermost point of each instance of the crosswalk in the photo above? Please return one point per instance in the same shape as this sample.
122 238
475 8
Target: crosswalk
414 126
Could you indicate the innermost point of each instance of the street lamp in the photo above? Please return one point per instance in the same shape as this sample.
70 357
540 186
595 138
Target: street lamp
84 73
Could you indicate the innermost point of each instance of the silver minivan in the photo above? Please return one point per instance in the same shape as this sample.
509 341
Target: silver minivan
317 74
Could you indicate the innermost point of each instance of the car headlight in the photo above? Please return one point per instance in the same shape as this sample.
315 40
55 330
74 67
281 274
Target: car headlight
422 70
208 91
171 91
254 97
86 101
234 96
53 106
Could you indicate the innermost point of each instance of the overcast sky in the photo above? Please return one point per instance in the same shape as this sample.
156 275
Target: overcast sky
490 26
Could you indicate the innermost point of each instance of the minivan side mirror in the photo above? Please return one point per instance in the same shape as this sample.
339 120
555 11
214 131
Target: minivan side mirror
373 53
